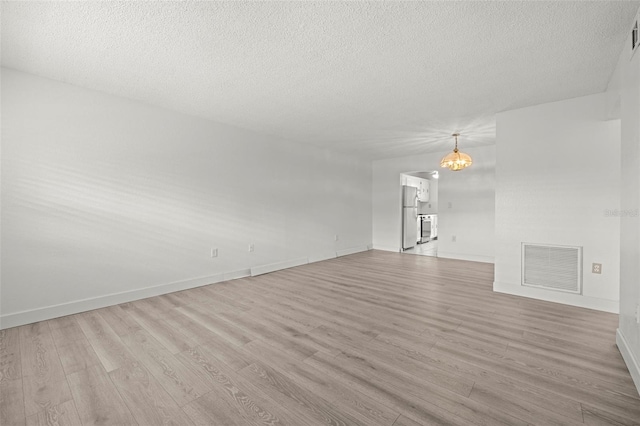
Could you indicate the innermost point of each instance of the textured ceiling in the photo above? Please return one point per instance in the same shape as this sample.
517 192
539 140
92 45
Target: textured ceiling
377 79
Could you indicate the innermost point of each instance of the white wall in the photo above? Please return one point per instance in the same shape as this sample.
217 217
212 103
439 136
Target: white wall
625 86
557 172
106 199
470 193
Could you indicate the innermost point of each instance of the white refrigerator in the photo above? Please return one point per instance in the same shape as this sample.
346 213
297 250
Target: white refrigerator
409 217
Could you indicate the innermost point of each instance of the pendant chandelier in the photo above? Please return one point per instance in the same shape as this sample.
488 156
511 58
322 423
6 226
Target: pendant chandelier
456 160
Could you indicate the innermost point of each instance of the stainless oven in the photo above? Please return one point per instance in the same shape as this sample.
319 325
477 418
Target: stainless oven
425 228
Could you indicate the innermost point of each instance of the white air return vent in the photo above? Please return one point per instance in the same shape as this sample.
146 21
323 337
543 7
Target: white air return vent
552 267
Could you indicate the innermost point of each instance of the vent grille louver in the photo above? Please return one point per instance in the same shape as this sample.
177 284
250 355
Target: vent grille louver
552 267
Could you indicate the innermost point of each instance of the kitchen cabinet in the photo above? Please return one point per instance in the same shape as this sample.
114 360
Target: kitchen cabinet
423 190
421 185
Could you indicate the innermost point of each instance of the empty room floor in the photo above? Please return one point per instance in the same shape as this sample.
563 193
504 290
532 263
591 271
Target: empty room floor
429 248
375 338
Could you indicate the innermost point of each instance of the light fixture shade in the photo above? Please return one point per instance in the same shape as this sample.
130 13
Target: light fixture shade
456 160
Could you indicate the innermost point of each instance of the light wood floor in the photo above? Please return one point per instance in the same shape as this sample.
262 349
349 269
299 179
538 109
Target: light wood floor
375 338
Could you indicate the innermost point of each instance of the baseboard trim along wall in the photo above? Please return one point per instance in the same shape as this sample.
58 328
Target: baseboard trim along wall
469 257
265 269
633 364
605 305
41 314
352 250
234 275
387 248
444 255
77 306
322 256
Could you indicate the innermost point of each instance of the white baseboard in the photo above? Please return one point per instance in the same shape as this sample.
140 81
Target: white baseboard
581 301
77 306
387 248
322 256
469 257
265 269
352 250
633 364
234 275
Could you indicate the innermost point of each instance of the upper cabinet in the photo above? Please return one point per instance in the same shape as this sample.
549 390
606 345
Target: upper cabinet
422 186
423 190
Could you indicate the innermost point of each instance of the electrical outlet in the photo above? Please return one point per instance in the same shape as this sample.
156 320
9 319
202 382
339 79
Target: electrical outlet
638 313
449 204
453 238
596 268
251 247
214 252
336 238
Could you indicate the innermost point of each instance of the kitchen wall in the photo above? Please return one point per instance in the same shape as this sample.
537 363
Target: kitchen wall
106 200
465 199
624 89
414 179
557 177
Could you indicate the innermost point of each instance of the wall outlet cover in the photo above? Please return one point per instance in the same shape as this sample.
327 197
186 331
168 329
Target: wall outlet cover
596 268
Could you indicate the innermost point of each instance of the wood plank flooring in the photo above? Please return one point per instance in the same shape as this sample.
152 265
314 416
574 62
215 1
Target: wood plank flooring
375 338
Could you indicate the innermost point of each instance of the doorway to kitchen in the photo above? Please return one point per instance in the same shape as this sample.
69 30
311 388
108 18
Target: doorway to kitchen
420 213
